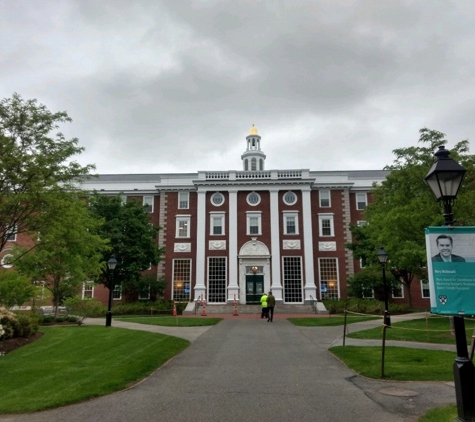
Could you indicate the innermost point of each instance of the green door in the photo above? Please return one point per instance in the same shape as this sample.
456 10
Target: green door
254 288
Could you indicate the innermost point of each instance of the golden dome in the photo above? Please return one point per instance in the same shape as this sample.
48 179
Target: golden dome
253 131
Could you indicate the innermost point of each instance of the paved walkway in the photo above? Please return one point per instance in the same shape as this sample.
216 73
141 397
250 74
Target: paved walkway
246 369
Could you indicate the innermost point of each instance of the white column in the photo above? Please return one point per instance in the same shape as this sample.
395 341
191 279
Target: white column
275 245
310 288
200 288
233 286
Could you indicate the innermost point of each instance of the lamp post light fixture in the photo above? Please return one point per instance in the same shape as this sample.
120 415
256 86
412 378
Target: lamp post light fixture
111 264
444 179
383 259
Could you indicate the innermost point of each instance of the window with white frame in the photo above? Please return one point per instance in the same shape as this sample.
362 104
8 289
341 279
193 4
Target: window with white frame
117 292
290 198
425 288
398 291
324 196
253 199
329 279
148 203
361 201
183 200
254 226
325 225
6 260
87 290
11 233
123 199
217 199
291 222
361 223
182 279
217 224
217 279
292 279
183 226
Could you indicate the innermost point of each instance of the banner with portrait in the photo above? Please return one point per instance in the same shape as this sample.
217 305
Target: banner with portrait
451 269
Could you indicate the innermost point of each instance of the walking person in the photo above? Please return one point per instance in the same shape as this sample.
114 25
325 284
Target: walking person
264 306
270 306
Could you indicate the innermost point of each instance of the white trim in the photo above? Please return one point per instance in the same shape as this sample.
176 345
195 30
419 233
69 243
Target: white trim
320 192
326 217
213 216
180 201
147 204
361 194
186 219
253 214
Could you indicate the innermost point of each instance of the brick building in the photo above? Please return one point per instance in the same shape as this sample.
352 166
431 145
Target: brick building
234 234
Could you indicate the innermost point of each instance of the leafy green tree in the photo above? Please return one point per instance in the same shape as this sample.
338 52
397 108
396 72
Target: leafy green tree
15 289
34 163
68 252
133 240
403 206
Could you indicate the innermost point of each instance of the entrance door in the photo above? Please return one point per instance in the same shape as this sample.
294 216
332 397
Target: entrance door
254 288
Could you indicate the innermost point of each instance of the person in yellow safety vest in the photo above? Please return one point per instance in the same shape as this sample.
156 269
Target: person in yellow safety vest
264 306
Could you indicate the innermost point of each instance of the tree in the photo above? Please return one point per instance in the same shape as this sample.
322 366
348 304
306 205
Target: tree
68 251
15 289
403 206
133 240
34 163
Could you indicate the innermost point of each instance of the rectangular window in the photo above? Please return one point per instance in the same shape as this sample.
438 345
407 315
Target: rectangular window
148 203
183 200
123 199
11 233
117 292
217 280
329 280
182 280
325 225
291 225
254 223
398 291
324 196
425 289
183 226
87 290
361 223
361 201
144 294
217 223
292 279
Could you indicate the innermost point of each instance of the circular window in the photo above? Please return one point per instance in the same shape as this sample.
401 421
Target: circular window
5 261
217 199
290 198
253 198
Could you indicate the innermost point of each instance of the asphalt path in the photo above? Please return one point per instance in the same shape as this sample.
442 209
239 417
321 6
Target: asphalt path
251 370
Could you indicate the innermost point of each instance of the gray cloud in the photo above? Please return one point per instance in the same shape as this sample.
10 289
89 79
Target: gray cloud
175 85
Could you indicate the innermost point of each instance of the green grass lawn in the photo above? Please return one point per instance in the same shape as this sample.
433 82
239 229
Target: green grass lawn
70 364
402 364
430 330
169 321
331 320
440 414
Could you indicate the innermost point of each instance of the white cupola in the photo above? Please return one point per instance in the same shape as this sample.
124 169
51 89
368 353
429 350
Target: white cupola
253 159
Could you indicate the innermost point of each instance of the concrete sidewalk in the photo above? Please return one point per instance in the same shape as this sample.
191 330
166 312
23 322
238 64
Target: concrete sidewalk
251 370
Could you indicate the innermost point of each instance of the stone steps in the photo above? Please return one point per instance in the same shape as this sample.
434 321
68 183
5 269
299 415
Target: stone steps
251 309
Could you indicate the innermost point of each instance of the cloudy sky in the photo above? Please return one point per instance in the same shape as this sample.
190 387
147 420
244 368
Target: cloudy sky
175 85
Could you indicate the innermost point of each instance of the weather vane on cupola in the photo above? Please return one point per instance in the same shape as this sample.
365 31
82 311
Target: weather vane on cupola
253 158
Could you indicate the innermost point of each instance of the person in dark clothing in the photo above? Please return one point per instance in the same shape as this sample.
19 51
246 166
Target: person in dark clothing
270 306
445 245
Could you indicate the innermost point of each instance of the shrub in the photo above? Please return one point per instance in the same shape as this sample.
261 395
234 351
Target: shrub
7 322
47 319
141 308
26 325
84 308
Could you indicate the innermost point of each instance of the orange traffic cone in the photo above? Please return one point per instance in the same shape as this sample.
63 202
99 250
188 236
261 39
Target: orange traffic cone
174 309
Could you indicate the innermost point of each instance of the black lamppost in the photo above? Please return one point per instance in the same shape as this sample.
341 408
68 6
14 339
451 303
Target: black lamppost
383 259
111 265
445 178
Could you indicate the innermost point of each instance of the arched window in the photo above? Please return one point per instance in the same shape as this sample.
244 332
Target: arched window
253 164
261 164
246 165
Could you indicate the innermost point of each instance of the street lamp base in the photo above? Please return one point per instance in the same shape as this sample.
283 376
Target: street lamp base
109 319
387 319
464 378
